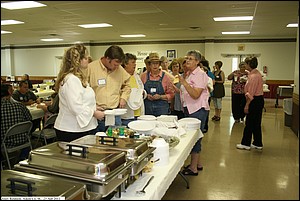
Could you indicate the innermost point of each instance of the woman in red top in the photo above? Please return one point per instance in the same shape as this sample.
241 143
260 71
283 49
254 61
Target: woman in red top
238 99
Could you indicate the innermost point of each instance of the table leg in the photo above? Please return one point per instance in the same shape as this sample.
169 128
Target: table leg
185 179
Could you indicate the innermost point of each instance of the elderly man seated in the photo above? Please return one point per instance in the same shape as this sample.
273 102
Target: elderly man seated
27 97
12 113
24 95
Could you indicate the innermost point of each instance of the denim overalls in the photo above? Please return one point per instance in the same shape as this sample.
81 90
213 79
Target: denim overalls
156 107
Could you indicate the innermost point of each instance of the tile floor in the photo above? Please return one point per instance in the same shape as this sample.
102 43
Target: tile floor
232 174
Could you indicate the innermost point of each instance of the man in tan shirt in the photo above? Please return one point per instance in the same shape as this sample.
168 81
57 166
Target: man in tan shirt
110 82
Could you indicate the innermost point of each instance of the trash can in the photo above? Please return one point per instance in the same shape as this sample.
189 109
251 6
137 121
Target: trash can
287 108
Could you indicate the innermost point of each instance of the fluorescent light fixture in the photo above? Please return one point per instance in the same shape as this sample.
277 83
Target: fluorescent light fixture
5 32
88 26
292 25
242 18
21 5
9 22
51 39
133 36
235 32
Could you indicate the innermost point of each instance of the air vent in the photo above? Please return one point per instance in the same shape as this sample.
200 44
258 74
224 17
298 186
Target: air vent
194 28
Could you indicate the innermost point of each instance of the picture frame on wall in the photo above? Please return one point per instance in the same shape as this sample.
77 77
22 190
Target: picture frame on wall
171 54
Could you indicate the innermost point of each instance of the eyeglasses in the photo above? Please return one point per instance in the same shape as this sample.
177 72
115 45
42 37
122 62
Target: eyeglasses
189 59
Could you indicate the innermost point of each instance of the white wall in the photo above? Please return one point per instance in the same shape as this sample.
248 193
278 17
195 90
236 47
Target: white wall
278 56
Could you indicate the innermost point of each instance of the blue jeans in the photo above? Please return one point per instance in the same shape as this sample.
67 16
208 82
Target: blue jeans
202 115
101 124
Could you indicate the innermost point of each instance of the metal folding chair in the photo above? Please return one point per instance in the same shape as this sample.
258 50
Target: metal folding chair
48 131
19 128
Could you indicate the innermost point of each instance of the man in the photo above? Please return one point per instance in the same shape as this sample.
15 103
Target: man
27 97
110 82
12 112
24 95
26 78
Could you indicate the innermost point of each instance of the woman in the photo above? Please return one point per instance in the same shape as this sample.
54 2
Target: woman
135 103
77 115
238 99
253 108
219 90
195 103
158 87
176 107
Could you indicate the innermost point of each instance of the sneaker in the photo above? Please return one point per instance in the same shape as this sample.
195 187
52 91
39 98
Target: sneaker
240 146
256 147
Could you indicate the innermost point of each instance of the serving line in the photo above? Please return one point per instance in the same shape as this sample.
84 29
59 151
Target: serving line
163 175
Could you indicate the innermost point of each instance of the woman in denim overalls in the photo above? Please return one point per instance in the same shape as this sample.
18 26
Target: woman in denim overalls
159 90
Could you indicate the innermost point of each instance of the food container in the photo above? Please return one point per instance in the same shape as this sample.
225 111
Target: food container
15 183
137 150
189 123
161 153
101 170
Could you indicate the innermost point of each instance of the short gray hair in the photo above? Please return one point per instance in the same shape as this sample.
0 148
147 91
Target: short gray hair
195 53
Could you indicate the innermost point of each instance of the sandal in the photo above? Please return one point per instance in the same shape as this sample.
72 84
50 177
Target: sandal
198 168
217 118
189 172
214 117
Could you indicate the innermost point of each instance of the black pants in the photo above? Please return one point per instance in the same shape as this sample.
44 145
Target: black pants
238 102
253 122
206 122
70 136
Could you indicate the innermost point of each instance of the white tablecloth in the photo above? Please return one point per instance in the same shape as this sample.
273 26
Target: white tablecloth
163 175
35 112
44 93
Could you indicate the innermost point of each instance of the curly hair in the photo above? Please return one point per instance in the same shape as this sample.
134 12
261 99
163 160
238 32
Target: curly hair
71 64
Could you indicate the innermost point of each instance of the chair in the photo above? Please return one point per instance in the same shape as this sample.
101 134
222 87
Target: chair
47 131
19 128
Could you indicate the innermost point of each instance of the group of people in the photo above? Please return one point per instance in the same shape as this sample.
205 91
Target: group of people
87 88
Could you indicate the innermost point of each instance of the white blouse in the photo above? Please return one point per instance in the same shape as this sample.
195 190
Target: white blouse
76 106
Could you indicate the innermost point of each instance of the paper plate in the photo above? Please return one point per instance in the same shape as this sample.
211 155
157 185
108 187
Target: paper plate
135 100
140 125
147 117
120 111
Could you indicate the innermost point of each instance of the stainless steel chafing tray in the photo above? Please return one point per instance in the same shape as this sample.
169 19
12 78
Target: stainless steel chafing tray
101 170
22 184
136 150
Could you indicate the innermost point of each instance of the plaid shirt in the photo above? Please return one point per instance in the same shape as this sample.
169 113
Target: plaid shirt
12 113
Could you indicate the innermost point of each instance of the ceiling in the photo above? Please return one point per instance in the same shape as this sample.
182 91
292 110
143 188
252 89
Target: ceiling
158 20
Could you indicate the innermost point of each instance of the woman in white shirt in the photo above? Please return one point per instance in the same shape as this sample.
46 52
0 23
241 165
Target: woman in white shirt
135 102
77 115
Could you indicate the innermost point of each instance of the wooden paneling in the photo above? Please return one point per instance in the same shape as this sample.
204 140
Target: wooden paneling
273 84
34 79
295 114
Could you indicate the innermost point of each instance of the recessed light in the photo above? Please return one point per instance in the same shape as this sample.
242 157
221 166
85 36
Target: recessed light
5 32
21 5
51 39
292 25
133 36
9 22
235 32
88 26
241 18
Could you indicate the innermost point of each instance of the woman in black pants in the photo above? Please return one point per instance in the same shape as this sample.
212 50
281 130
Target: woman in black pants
253 108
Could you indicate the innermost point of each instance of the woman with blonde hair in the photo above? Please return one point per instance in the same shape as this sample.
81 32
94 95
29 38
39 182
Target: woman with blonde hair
77 115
